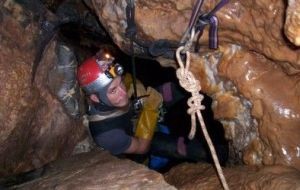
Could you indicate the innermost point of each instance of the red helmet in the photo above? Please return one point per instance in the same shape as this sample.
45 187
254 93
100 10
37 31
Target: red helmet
96 73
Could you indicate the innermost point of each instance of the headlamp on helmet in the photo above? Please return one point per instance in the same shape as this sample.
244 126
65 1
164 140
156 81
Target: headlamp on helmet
106 61
96 73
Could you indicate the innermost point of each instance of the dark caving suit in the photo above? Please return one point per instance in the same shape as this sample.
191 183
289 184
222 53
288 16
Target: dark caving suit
113 133
112 129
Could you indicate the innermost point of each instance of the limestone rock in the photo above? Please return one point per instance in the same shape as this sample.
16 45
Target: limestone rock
274 97
292 22
257 99
35 128
255 25
255 95
97 170
203 176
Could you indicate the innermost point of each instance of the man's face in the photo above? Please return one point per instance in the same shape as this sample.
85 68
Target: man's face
117 94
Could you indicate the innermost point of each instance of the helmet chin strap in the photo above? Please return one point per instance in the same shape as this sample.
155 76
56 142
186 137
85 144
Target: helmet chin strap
103 108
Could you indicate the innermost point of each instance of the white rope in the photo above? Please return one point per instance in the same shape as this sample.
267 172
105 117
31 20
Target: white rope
190 84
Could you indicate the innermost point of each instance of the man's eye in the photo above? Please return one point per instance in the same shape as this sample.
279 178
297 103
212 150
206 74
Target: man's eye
113 91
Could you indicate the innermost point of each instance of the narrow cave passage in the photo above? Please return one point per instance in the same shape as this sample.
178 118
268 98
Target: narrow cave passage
151 73
44 132
86 42
176 118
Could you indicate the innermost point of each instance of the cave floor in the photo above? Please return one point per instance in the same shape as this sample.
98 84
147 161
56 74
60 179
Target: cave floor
99 170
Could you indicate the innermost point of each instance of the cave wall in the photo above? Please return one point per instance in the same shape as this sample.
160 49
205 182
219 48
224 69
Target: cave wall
203 176
252 77
35 129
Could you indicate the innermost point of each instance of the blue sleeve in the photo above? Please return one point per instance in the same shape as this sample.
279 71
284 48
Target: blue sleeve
116 141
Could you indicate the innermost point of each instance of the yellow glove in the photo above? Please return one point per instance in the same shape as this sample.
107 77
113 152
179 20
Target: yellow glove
147 120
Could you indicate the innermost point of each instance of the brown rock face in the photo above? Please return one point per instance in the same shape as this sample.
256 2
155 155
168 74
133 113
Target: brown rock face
203 176
256 95
275 105
97 170
292 22
34 127
255 25
253 78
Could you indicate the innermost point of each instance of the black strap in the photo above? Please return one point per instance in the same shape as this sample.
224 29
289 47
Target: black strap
163 47
130 13
130 33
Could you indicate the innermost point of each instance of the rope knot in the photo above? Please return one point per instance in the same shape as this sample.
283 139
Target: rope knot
190 84
187 80
194 103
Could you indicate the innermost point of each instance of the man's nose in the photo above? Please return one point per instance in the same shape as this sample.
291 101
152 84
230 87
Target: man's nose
121 90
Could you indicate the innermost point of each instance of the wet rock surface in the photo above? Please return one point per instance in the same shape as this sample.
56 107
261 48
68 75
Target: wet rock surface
292 22
256 25
253 79
203 176
275 105
97 170
261 119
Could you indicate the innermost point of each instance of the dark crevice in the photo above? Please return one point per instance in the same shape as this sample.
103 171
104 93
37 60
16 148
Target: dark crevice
151 73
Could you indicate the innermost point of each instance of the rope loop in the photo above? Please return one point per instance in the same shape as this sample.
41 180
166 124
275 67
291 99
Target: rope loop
190 84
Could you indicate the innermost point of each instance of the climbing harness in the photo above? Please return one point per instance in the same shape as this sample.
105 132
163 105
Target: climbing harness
98 117
187 79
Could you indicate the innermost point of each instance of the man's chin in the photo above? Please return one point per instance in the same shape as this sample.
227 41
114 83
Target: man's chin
123 104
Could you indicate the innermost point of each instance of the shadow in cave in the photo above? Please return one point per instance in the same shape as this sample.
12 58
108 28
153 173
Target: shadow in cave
151 74
177 120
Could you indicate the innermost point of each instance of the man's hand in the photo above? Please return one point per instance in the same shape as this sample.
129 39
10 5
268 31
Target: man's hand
138 146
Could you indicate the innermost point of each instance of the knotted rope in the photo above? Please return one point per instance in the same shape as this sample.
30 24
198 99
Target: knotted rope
192 85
